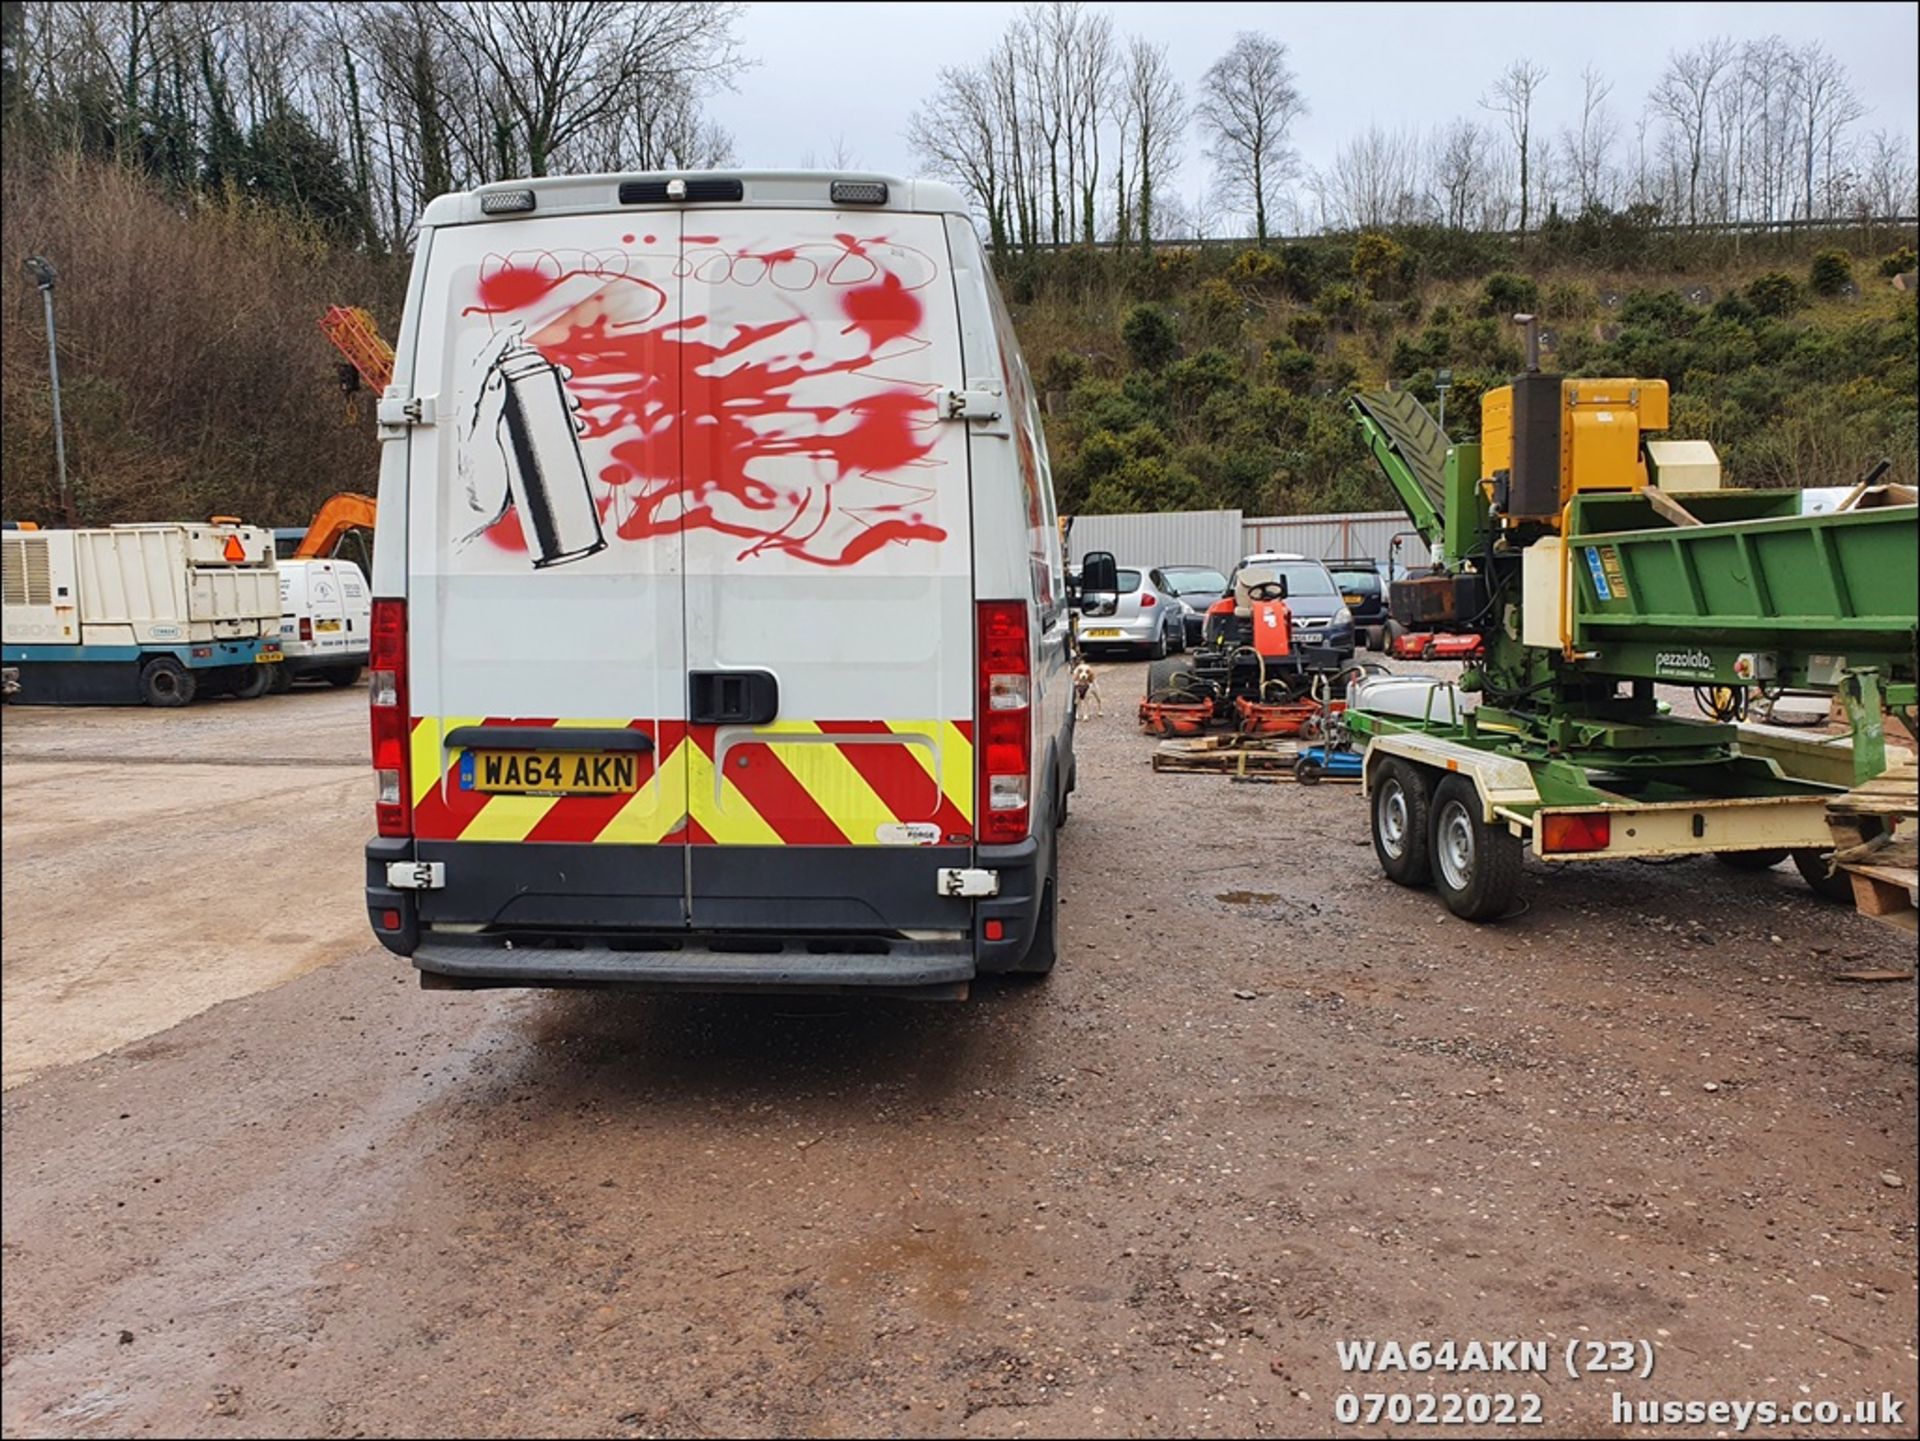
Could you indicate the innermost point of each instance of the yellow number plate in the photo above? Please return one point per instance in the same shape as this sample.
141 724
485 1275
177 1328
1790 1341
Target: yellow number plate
1105 634
326 625
549 773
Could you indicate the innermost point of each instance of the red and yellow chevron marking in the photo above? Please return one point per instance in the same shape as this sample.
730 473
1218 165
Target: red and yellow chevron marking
797 783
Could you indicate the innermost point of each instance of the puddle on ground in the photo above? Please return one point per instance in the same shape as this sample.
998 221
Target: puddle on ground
1248 898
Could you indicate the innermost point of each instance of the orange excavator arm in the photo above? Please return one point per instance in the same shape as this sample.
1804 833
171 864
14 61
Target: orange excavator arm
341 513
355 336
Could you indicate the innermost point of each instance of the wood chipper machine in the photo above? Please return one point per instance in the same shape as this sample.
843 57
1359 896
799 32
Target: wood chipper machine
1597 563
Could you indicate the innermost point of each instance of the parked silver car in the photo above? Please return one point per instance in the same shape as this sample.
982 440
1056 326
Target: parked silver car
1145 616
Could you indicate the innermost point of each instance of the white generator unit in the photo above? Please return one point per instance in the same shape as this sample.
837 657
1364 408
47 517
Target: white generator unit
139 613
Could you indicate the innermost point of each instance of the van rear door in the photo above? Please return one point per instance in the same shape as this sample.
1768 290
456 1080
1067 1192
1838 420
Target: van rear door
689 478
829 616
544 590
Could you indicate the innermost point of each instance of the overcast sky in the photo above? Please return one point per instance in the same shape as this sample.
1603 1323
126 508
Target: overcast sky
855 72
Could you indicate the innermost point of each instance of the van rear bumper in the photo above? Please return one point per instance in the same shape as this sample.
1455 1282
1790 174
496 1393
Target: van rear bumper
762 916
923 968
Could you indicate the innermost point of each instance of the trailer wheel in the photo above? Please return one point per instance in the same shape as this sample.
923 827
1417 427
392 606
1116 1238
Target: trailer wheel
1812 866
1476 866
1401 824
254 682
281 681
166 683
1750 860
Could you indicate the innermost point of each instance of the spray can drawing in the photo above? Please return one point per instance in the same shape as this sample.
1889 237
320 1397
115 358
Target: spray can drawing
546 473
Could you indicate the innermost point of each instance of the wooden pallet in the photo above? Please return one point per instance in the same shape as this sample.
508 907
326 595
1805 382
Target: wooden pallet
1224 755
1875 843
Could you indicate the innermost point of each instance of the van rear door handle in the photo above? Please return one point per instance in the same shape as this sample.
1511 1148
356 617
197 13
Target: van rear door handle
732 697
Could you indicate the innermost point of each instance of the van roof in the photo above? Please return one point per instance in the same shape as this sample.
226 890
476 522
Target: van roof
764 189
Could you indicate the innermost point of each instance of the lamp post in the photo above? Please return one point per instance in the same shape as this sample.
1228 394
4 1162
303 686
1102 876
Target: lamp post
44 276
1443 382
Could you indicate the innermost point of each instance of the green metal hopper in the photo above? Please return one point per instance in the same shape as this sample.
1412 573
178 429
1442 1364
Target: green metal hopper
1756 592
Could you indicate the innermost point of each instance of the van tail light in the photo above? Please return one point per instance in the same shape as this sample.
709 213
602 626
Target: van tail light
1584 832
306 627
1006 722
387 700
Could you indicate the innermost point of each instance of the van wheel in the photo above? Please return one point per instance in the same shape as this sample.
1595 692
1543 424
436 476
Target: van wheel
1476 866
253 682
166 683
1812 866
1401 823
341 676
281 680
1045 949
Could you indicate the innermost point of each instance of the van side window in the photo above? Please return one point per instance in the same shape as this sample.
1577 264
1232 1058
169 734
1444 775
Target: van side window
1036 475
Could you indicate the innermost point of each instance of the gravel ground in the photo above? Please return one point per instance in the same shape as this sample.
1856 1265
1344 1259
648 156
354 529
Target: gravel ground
1267 1101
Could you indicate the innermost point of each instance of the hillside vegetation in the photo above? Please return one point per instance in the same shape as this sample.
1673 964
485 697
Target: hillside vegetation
1218 377
196 380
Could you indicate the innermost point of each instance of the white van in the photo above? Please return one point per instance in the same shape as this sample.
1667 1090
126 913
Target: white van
326 619
720 635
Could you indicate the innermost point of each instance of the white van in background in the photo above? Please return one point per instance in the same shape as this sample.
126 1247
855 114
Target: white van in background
720 634
326 621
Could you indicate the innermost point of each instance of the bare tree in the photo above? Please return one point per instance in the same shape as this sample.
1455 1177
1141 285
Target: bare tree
1512 98
1824 105
957 133
560 68
1461 174
1587 147
1887 177
1684 101
1373 181
1153 120
1249 100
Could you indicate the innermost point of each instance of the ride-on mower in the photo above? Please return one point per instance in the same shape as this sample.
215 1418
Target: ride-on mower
1246 673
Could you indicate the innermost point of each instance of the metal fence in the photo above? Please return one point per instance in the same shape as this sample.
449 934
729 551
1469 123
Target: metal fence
1181 537
1219 538
1329 537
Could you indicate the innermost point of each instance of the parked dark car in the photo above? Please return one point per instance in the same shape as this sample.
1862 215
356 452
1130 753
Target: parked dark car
1364 590
1196 587
1320 618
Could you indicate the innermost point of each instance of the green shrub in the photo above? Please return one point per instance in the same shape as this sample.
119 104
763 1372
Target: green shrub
1569 300
1505 294
1378 263
1149 336
1290 367
1217 313
1735 307
1900 262
1307 331
1831 272
1774 293
1256 269
1339 304
1062 370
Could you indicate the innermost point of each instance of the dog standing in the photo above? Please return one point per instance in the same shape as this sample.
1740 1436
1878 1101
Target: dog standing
1086 692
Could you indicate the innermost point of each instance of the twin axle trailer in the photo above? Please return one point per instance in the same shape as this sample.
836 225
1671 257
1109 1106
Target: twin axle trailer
139 613
1596 565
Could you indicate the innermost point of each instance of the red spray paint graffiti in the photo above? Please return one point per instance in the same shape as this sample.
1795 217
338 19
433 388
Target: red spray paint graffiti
771 424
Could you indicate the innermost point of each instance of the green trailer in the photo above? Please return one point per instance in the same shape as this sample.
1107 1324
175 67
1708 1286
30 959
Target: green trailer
1559 741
